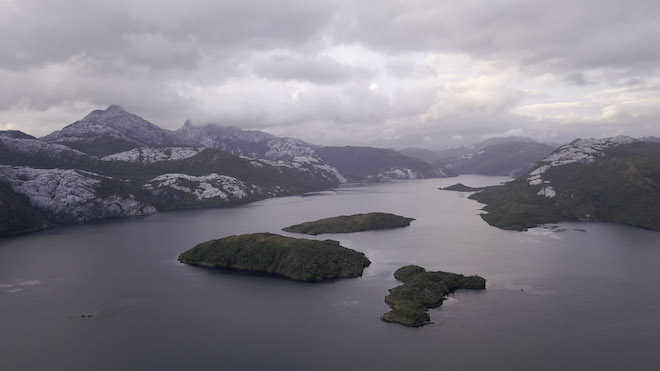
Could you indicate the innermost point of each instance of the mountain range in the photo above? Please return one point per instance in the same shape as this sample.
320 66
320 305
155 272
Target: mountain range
113 163
609 180
508 156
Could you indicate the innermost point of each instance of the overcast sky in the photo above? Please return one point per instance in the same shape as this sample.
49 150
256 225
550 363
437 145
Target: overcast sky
390 73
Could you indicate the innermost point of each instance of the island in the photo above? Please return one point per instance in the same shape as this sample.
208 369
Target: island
295 258
460 187
351 223
422 290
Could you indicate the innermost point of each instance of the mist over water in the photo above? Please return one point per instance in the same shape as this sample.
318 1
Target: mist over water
554 300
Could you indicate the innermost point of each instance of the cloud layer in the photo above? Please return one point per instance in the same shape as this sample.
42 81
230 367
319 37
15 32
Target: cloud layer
391 73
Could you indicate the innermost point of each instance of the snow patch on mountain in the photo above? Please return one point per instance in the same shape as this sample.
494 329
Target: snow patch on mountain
578 151
202 187
148 155
113 122
330 172
308 164
248 143
536 176
288 148
398 173
584 150
71 196
547 191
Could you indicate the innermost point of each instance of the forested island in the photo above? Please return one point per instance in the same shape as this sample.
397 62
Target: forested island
351 223
422 290
460 187
295 258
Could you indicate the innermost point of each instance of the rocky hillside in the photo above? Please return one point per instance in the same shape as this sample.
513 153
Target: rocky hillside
369 164
15 134
510 156
113 163
46 183
67 186
373 164
114 134
37 153
245 143
503 159
611 180
423 154
73 196
103 132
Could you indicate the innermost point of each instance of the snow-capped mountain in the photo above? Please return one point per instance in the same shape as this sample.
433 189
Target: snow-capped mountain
71 196
508 156
150 155
612 179
113 163
584 150
115 135
103 132
578 151
246 143
369 164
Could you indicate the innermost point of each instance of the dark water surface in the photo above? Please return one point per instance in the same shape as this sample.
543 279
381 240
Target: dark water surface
571 300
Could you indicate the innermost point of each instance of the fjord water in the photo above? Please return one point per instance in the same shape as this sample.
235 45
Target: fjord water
555 300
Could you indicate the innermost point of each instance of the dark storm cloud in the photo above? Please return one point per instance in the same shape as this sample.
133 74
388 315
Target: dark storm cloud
152 33
338 70
588 33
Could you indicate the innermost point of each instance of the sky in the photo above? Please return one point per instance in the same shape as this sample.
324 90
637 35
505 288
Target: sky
389 73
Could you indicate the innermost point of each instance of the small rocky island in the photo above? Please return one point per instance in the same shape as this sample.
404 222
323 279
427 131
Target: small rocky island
295 258
351 223
422 290
460 187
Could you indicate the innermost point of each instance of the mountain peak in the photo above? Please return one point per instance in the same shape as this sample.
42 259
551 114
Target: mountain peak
601 143
114 108
578 151
15 134
113 130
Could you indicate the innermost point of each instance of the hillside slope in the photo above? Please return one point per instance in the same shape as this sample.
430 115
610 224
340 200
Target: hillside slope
501 159
16 214
103 132
360 164
508 156
611 180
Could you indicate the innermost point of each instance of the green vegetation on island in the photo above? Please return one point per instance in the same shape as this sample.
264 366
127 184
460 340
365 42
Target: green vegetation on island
422 290
295 258
351 223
